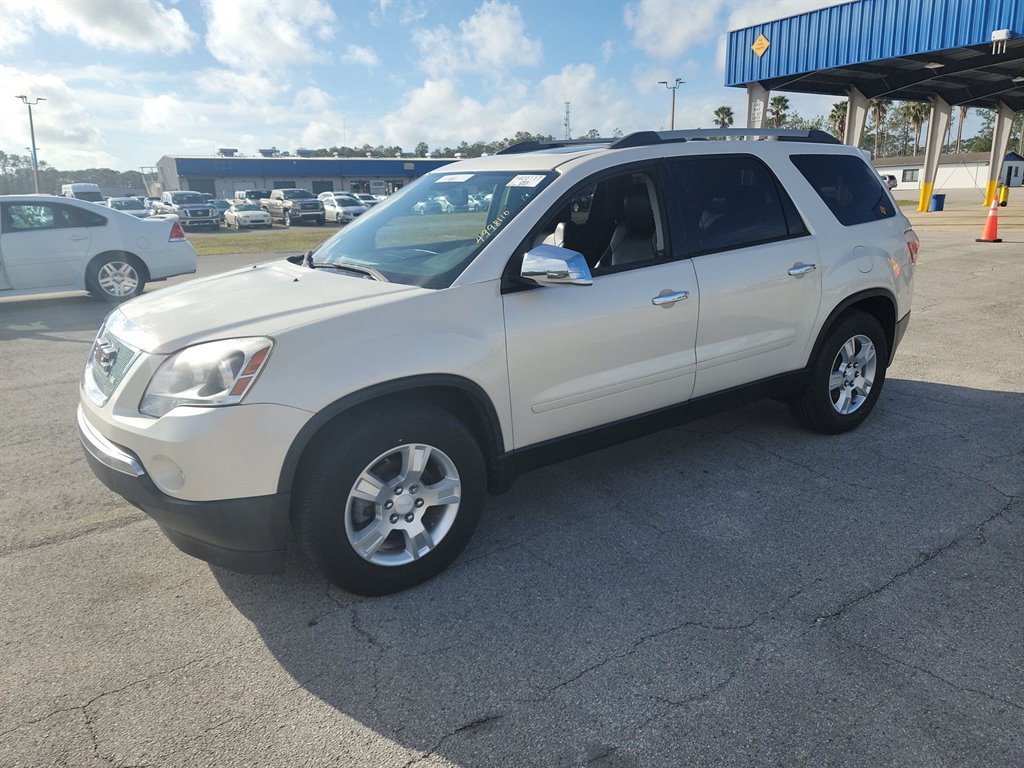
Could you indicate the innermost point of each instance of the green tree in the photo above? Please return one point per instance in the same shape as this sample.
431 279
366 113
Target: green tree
593 133
878 109
724 117
837 119
777 109
422 150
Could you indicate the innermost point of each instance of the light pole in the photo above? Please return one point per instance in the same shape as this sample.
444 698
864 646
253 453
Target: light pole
32 131
673 88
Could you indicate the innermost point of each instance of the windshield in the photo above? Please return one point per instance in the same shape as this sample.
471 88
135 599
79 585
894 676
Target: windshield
296 194
245 207
426 234
89 196
345 200
130 204
189 198
220 205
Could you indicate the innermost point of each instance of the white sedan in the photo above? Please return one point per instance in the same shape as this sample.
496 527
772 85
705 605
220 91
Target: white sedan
246 215
60 244
130 205
341 209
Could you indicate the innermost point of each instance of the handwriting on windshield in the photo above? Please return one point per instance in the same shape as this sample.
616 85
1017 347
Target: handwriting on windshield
491 228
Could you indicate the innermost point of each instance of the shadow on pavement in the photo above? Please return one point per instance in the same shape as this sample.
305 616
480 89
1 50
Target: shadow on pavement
732 587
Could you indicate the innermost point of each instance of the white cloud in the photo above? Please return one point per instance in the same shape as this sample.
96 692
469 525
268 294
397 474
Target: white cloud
357 54
406 12
666 28
311 100
607 51
245 41
492 40
141 26
438 113
66 132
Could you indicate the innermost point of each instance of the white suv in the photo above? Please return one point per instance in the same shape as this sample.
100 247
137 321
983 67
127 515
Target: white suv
370 393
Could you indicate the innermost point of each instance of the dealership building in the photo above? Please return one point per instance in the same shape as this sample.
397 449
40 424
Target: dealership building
223 174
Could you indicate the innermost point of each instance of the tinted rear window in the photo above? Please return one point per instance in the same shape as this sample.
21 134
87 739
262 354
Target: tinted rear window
852 191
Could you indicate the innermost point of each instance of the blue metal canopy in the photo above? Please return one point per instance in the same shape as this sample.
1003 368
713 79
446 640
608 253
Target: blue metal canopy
898 49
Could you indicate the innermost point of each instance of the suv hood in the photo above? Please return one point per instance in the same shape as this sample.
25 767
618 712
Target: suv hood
253 301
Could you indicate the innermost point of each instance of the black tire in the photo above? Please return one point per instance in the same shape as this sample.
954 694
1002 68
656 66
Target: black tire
341 454
320 221
116 278
819 406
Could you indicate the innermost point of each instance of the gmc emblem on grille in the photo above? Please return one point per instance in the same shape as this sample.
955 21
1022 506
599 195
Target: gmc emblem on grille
105 356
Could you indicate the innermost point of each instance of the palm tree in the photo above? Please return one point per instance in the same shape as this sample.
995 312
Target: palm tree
960 126
724 117
777 109
837 119
878 109
919 112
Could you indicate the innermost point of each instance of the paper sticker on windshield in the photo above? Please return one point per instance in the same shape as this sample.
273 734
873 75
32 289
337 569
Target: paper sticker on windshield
455 177
525 181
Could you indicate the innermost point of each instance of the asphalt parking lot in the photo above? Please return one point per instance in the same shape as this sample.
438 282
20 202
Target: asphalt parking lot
734 592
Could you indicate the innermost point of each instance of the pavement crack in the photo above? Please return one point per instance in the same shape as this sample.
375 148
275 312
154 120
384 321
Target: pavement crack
933 675
472 725
816 472
922 560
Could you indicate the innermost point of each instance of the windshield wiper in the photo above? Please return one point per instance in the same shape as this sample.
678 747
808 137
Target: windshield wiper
359 269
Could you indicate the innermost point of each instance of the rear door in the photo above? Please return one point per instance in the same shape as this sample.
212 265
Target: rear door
757 267
43 245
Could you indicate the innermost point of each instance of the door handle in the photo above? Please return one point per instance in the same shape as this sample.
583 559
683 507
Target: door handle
799 270
79 237
669 298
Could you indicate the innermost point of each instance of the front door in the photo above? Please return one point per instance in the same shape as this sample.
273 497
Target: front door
584 356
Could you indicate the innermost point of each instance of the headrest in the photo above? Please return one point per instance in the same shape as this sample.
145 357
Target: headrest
636 210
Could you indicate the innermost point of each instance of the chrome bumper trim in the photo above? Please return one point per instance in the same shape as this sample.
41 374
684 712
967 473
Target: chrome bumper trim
104 451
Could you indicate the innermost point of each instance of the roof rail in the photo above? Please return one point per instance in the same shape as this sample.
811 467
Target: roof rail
647 138
535 146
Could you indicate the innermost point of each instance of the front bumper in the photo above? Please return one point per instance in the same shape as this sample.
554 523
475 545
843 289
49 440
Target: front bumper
247 535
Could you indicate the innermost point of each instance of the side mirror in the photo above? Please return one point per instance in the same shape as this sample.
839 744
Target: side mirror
551 265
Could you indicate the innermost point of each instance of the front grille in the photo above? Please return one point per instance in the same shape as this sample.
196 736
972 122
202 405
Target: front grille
108 362
309 206
197 213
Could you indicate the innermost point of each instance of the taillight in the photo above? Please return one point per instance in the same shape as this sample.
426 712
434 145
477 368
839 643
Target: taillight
177 232
913 245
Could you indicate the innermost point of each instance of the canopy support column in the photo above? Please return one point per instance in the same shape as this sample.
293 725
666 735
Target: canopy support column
1000 143
938 124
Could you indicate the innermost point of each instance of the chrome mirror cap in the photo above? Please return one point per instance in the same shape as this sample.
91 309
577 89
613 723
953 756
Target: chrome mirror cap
551 265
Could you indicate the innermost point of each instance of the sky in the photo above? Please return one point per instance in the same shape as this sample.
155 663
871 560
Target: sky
129 81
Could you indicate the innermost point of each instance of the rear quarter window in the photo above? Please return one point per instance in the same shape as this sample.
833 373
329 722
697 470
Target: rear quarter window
851 190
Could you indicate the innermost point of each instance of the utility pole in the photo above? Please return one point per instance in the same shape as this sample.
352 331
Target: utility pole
32 131
568 126
673 88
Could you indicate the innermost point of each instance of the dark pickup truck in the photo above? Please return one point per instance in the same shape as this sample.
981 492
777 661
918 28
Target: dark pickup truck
191 208
293 205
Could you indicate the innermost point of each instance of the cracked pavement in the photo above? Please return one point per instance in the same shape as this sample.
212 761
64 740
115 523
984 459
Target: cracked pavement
733 592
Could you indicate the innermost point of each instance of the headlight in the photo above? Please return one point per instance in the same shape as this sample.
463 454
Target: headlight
216 373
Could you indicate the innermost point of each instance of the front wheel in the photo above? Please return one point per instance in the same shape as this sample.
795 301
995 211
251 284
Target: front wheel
116 279
287 219
388 500
846 376
320 221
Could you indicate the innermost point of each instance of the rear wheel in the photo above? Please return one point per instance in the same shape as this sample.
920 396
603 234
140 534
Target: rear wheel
116 278
846 376
389 499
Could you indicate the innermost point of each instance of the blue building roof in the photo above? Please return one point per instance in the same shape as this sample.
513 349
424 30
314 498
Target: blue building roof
327 167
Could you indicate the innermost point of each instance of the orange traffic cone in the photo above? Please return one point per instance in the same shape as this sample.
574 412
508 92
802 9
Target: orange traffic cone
988 234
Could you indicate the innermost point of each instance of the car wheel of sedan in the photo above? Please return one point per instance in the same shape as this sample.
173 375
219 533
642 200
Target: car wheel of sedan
846 376
116 278
389 499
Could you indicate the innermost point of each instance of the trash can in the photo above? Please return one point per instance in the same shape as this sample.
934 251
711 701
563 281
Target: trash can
938 203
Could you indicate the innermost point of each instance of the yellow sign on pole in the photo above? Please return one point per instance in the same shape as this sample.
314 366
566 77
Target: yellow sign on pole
760 45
